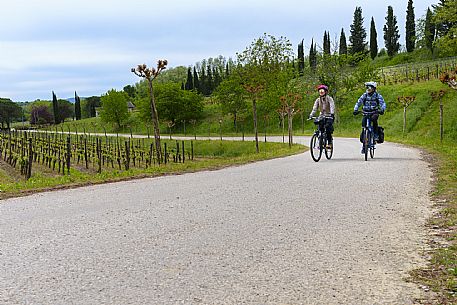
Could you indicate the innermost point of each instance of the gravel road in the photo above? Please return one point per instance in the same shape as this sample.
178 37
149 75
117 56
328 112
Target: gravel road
283 231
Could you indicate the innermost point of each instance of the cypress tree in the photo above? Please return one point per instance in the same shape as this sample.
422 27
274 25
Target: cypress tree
391 35
203 87
301 59
77 107
430 30
410 34
358 33
313 56
326 45
197 82
190 80
209 80
227 72
217 77
55 108
343 44
373 40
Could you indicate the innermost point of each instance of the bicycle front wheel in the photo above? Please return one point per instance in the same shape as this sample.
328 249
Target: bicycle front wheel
315 148
366 141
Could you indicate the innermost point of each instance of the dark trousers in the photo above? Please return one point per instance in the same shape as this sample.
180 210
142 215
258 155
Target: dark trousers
327 123
374 119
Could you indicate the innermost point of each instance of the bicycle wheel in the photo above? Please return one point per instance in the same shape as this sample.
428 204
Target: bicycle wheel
365 143
372 147
328 151
315 148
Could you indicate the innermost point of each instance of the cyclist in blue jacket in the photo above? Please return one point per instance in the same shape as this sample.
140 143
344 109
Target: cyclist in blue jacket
371 101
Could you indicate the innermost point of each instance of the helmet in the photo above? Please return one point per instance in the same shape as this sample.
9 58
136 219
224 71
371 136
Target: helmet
322 87
371 84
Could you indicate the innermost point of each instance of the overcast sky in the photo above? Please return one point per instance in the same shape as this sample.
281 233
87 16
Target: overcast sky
89 46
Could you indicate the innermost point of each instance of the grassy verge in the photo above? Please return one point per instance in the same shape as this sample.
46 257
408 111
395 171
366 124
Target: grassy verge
209 155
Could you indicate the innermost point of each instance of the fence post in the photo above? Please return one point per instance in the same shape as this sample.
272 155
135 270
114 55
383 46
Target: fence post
29 165
68 154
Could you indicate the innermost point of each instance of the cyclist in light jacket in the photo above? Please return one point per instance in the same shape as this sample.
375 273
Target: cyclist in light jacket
326 106
371 101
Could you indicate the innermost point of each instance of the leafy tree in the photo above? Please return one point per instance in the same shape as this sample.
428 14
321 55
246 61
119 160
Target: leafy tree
373 40
173 75
445 18
66 110
391 35
446 24
262 65
130 90
343 44
173 104
410 34
301 59
77 107
358 33
40 113
9 112
230 95
114 108
89 106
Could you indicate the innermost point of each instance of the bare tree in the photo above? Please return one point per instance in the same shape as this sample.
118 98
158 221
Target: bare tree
405 101
289 101
150 74
438 95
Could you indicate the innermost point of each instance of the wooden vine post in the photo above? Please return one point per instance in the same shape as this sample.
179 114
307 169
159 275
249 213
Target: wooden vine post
438 95
29 163
405 101
150 74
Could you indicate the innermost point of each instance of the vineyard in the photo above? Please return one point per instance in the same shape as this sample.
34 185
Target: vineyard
417 72
60 152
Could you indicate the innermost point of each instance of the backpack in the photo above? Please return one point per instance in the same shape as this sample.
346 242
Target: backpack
380 134
377 99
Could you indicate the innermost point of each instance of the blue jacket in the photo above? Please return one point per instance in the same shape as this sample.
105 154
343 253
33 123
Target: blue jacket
372 102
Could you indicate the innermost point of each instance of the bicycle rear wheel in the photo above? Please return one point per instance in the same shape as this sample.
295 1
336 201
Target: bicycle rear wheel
365 143
315 148
328 150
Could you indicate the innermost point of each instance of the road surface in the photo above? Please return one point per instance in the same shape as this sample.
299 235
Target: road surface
282 231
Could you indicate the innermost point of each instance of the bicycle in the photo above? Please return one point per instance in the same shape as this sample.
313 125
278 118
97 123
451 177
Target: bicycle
368 137
319 140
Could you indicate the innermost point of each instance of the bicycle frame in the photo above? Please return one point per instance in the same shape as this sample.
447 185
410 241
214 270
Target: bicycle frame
368 134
